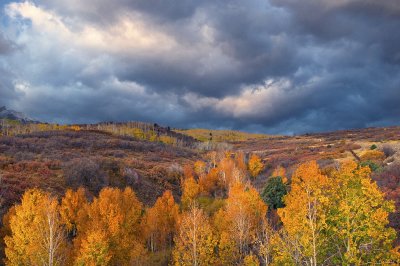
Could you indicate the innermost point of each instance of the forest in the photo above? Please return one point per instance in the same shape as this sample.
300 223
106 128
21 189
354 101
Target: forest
105 196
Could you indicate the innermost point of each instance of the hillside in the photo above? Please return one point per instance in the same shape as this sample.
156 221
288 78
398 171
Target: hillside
214 135
288 150
144 149
55 160
163 171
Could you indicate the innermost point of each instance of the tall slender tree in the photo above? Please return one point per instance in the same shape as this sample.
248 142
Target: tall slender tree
195 241
304 217
243 215
159 222
37 235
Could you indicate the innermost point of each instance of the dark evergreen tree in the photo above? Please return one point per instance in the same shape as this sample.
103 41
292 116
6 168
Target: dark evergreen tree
273 192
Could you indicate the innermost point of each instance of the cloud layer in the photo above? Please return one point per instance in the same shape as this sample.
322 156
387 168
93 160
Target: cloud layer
277 66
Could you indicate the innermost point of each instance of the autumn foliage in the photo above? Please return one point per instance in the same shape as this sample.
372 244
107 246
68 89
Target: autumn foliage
160 221
255 165
37 234
219 218
373 155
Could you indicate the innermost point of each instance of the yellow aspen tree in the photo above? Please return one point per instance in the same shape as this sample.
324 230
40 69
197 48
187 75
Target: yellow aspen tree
359 219
52 234
304 216
116 213
195 241
228 253
72 205
190 191
285 249
226 167
264 243
159 222
251 260
255 165
37 236
244 214
95 250
74 215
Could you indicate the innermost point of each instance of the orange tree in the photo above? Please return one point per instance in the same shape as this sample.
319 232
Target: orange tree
159 222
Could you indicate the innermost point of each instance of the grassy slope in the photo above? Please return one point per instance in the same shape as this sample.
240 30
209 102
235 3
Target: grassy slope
220 135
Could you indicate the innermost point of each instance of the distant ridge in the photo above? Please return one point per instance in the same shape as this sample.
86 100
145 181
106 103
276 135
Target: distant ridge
14 115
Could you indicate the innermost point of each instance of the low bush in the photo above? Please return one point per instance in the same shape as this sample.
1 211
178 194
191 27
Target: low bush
85 172
388 150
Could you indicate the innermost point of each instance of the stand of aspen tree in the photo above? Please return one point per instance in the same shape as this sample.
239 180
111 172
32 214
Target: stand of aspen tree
314 218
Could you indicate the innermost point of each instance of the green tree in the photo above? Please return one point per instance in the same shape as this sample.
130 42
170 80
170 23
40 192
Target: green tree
273 192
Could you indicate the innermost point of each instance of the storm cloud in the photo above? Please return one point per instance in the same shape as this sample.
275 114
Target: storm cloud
275 66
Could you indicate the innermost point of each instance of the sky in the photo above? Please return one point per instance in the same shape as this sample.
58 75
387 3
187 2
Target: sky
272 66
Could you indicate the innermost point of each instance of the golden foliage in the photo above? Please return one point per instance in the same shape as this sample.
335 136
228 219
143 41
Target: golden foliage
228 252
341 219
304 217
195 241
117 214
72 204
190 191
251 260
159 222
168 140
243 215
359 218
255 165
37 235
75 128
372 155
95 250
188 171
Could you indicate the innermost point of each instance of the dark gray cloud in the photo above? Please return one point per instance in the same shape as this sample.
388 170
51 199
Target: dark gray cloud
277 66
7 92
